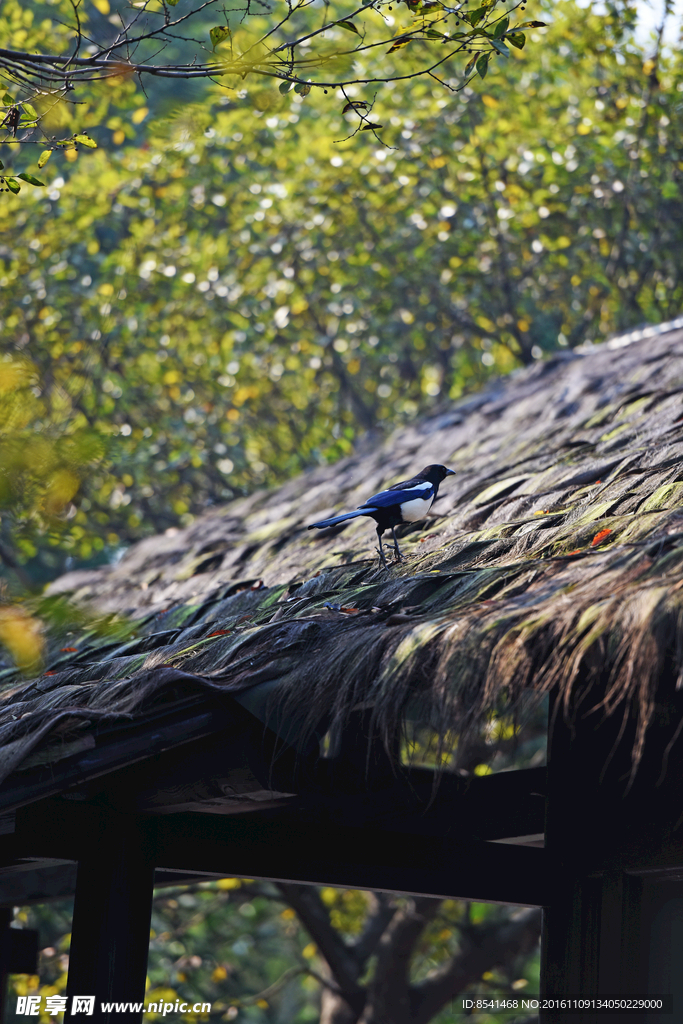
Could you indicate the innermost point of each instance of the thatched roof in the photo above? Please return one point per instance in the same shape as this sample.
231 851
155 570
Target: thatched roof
553 559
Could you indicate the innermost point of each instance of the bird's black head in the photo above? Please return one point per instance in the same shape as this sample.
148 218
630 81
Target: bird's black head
435 474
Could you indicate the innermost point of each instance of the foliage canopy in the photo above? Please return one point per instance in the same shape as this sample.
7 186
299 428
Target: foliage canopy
57 63
238 295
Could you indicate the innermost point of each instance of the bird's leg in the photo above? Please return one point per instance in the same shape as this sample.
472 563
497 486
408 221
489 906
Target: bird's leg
399 556
382 559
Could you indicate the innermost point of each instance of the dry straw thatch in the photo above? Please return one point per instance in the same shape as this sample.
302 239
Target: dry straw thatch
552 561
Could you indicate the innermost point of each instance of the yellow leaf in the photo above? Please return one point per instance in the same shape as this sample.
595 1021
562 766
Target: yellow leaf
44 157
12 375
22 635
310 950
102 6
489 101
228 883
219 974
139 115
60 490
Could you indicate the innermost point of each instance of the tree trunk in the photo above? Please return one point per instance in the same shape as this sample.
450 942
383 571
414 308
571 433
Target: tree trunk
335 1010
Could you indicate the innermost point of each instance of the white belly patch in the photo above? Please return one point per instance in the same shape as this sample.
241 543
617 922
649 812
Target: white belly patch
415 509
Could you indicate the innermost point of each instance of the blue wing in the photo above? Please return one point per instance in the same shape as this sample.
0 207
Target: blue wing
396 497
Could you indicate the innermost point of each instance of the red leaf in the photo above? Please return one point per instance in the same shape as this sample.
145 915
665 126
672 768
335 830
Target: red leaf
68 648
599 537
219 632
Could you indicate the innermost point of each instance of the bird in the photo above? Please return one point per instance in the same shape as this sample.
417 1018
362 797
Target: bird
404 502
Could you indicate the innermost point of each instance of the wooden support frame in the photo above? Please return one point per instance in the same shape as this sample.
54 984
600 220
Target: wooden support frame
350 820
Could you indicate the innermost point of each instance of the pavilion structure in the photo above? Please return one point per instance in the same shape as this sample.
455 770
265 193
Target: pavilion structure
247 717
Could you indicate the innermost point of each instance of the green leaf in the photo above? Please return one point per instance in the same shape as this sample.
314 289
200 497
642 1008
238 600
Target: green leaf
349 26
355 105
303 88
85 140
501 47
30 179
517 39
13 185
284 87
171 3
369 127
501 28
218 34
7 100
470 64
483 65
432 34
30 111
531 24
476 16
44 157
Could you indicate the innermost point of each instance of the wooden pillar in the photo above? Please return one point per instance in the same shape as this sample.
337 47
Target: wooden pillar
614 924
18 955
5 918
110 933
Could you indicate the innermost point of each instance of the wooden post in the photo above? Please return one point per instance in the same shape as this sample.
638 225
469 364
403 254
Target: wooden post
110 933
5 918
18 955
614 923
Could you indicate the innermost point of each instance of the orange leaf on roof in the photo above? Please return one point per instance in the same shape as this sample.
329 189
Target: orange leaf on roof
68 649
219 632
599 537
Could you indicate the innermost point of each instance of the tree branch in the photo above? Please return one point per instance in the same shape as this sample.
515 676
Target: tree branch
389 993
483 947
376 924
341 960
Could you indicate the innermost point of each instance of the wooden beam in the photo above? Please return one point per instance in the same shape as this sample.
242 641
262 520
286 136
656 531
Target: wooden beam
298 848
357 858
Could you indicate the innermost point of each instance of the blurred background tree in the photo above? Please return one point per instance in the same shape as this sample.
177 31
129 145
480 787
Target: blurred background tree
232 295
289 954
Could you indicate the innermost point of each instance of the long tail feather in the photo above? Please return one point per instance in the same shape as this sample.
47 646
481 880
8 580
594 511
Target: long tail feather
337 519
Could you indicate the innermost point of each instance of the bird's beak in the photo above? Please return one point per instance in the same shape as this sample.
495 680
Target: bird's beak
450 472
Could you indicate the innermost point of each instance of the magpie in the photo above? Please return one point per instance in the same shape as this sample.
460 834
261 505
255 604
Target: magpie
405 502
